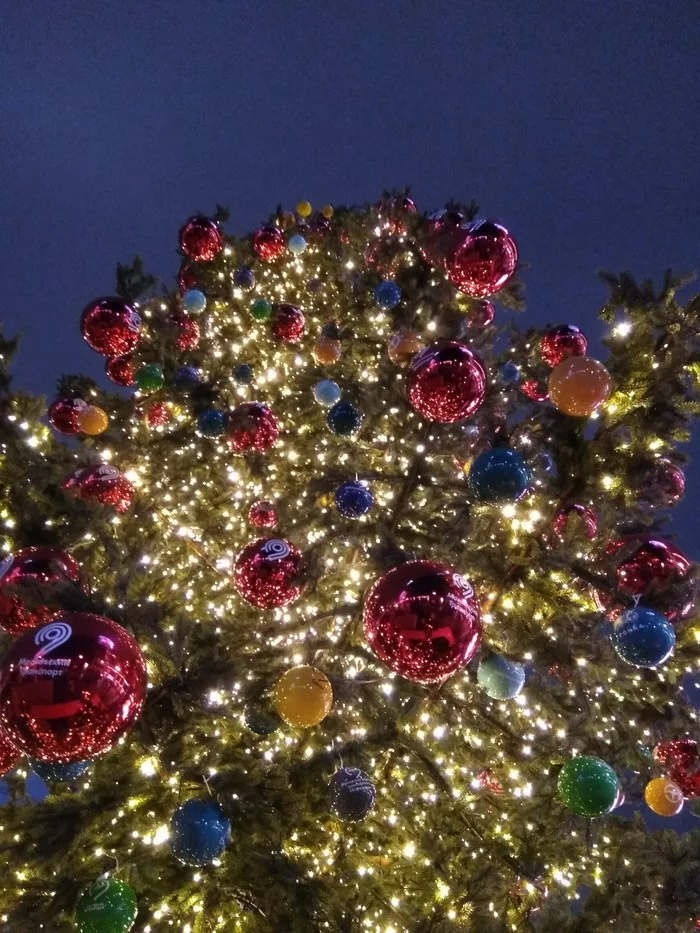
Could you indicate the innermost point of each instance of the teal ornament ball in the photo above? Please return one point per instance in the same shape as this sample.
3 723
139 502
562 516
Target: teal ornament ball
296 244
107 906
194 301
588 786
643 637
499 475
327 392
261 309
500 678
211 423
344 419
149 378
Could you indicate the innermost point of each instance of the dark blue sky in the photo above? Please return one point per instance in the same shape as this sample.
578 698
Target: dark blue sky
576 124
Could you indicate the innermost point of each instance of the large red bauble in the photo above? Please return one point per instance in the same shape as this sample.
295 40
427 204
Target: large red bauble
29 582
102 484
268 573
70 688
121 369
422 620
652 568
110 326
446 382
252 427
482 260
9 755
64 414
268 243
288 323
201 239
561 342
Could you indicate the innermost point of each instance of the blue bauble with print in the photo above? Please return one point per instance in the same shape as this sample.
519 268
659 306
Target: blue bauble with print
352 794
500 678
199 832
211 423
344 419
54 771
296 244
194 301
643 637
187 378
353 499
327 392
387 294
499 475
244 278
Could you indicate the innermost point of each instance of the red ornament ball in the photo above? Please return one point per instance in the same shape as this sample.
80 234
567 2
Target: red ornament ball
268 573
263 514
252 427
532 389
446 382
201 239
268 243
384 255
422 620
288 323
71 688
121 369
561 342
64 415
101 484
188 333
482 315
158 415
9 755
30 582
680 752
585 514
186 277
482 260
110 326
652 568
663 484
489 780
439 236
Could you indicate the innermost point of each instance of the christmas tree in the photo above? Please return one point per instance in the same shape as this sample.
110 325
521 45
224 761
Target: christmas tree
353 608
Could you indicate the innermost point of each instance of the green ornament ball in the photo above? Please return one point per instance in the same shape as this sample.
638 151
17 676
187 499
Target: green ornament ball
588 786
261 309
149 378
107 906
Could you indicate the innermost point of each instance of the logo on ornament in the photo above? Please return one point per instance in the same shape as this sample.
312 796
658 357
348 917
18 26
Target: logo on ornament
134 322
97 890
464 585
50 637
276 549
673 794
105 471
5 565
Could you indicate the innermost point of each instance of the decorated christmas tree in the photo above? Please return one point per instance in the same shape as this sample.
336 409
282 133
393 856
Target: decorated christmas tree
355 607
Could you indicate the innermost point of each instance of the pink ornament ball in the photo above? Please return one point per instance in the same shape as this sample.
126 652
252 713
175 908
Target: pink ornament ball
483 259
268 573
446 382
110 326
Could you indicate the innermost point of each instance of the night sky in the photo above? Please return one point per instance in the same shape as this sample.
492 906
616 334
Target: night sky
574 124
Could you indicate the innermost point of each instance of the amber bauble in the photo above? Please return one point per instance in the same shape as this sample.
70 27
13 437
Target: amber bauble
403 346
579 386
30 584
561 342
121 369
663 796
69 689
64 414
101 484
422 620
252 428
446 382
201 239
288 324
483 260
110 326
327 351
268 573
263 514
268 243
93 420
9 755
303 696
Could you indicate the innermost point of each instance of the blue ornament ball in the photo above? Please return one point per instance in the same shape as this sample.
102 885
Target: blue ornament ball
352 794
199 832
689 688
244 278
51 771
353 499
387 294
187 378
296 244
643 637
243 374
499 475
261 719
327 392
509 373
194 301
344 419
500 678
211 423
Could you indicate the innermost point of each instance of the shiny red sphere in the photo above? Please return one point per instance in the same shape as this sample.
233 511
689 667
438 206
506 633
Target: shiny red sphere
439 235
263 514
288 323
110 326
158 415
9 755
101 484
64 414
186 277
663 484
69 689
268 573
188 333
482 314
482 260
252 427
586 516
201 239
30 582
422 620
652 568
121 369
561 342
268 243
682 752
446 382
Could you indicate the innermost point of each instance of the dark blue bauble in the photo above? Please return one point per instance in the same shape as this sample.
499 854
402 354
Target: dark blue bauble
500 678
187 378
261 719
51 771
243 374
499 475
199 832
643 637
211 423
244 278
689 685
344 419
353 499
387 294
352 794
509 373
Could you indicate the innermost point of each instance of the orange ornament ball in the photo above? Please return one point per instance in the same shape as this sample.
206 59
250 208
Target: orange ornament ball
403 345
93 420
304 209
327 211
327 351
579 386
663 796
303 696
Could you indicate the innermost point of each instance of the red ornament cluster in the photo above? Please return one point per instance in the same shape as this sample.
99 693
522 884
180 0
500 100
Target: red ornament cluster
446 382
201 239
110 326
252 428
287 323
101 484
32 571
268 573
268 243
